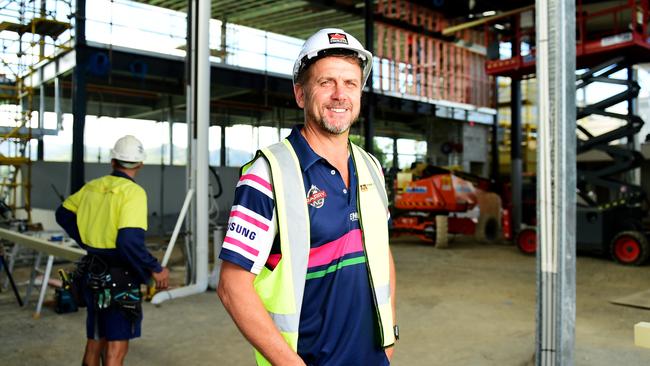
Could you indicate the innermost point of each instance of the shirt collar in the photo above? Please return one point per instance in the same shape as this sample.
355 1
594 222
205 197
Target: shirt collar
117 173
306 156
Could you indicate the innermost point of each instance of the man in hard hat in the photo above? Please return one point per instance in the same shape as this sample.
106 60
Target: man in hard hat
308 276
108 218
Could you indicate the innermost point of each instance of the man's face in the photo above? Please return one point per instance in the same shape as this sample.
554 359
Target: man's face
331 94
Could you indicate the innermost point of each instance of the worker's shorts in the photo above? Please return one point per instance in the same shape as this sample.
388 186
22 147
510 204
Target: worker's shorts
111 323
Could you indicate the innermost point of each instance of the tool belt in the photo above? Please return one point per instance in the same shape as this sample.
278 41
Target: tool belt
111 286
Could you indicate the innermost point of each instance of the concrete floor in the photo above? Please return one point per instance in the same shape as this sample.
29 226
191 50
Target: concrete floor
472 304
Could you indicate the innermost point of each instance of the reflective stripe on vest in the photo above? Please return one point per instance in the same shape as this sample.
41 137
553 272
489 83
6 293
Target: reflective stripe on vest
372 205
282 289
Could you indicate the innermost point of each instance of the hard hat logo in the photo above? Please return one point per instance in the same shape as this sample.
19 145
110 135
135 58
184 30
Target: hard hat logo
337 38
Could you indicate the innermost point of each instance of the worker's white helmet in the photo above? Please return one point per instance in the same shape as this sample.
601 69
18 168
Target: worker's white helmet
129 151
326 42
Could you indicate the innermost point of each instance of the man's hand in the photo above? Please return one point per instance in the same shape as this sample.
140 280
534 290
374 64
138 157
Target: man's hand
161 278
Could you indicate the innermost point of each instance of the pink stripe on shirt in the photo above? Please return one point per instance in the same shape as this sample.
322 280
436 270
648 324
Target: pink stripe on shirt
257 179
238 243
327 253
247 218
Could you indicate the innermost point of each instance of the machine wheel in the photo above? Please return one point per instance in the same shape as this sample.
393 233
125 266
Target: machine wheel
442 231
527 241
630 248
487 229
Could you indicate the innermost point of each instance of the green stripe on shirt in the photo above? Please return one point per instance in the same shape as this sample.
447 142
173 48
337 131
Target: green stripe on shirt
335 267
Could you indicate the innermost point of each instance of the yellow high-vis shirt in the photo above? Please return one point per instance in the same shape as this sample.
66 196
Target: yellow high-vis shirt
105 205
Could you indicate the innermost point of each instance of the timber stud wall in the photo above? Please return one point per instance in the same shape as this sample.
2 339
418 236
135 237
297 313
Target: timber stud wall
421 65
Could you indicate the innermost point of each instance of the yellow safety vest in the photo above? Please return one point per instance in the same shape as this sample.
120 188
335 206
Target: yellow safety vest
105 205
281 290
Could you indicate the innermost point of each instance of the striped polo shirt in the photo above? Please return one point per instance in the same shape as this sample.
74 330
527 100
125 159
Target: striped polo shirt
337 321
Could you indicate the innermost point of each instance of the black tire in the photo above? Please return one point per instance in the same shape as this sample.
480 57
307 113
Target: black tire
526 241
630 248
487 229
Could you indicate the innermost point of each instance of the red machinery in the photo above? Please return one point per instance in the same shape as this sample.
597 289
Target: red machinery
442 203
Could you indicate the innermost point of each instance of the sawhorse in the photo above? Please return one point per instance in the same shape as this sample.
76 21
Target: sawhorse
10 278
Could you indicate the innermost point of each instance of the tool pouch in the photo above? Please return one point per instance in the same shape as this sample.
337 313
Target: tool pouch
76 289
125 292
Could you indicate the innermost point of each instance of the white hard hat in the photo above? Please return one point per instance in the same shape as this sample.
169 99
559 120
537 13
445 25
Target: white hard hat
328 39
128 149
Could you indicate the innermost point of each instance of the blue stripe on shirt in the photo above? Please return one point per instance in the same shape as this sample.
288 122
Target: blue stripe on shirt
236 258
255 201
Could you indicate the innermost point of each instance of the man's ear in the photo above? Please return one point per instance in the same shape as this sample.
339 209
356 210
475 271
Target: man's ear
299 93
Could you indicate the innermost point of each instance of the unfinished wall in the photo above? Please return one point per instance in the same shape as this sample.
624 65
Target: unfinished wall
475 149
459 145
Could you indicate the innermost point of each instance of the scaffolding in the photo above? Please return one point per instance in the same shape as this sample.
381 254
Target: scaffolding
31 34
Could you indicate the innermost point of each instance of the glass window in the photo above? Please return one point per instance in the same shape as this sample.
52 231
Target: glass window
214 145
179 141
59 147
102 132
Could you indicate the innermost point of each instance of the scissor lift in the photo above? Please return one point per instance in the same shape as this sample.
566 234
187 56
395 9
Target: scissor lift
611 212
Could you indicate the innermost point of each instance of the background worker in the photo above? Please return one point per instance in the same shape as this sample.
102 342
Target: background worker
108 218
307 275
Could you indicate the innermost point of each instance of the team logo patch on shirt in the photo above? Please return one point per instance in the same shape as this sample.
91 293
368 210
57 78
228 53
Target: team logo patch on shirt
316 197
337 38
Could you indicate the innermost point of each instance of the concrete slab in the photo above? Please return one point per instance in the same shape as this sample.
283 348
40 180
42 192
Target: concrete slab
473 304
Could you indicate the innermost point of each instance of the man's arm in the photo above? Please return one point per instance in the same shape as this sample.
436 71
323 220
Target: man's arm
238 296
68 221
130 244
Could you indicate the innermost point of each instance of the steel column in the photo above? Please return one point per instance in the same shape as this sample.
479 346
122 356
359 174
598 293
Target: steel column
556 182
41 117
515 154
515 141
222 151
77 170
198 97
395 154
494 148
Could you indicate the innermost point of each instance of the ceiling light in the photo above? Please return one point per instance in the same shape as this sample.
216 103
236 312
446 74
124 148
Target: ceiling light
489 13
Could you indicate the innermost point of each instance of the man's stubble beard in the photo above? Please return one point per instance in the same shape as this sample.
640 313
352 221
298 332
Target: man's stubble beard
329 128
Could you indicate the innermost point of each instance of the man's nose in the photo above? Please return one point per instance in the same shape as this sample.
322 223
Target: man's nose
338 92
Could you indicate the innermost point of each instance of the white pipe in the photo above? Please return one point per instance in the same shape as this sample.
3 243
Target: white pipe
177 228
200 13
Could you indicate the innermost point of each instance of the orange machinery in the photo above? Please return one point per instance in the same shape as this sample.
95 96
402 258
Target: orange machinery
420 205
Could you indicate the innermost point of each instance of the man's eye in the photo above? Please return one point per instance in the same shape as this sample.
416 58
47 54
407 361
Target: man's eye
326 83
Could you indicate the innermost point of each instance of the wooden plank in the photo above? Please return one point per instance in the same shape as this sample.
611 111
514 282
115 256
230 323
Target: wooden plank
42 245
642 334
